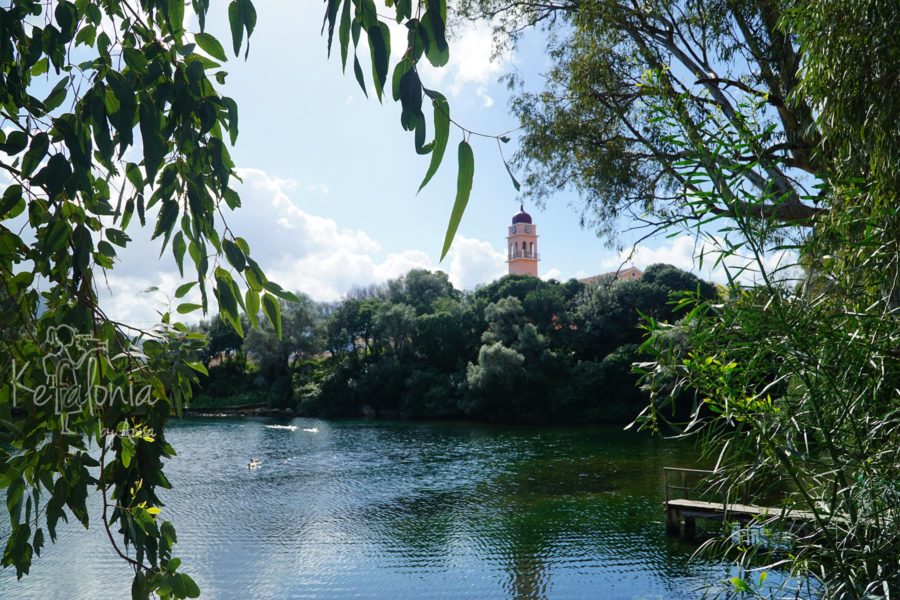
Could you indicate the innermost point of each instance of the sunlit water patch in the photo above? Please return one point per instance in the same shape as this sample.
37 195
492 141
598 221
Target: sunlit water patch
389 510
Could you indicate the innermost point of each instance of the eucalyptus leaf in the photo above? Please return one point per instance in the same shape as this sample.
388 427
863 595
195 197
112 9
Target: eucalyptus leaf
463 190
273 312
210 45
441 134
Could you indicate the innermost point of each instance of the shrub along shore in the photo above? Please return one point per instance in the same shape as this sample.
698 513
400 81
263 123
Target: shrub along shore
518 350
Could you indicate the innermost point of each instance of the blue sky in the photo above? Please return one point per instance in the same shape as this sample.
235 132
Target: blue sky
303 119
330 178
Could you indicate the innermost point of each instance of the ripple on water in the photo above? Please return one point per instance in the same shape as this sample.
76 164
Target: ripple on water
380 510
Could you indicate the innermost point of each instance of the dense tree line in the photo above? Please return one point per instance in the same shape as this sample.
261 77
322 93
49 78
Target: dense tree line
765 116
517 350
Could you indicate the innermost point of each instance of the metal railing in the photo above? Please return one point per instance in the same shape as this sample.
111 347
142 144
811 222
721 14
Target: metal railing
696 484
526 254
696 488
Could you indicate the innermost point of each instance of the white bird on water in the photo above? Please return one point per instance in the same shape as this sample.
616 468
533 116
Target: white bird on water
293 428
254 463
286 427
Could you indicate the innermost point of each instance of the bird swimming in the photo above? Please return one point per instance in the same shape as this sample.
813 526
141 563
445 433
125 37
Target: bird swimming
286 427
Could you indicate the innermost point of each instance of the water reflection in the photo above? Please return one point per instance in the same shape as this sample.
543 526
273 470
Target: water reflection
380 510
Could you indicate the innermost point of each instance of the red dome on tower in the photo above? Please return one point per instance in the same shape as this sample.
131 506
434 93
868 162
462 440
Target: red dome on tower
521 216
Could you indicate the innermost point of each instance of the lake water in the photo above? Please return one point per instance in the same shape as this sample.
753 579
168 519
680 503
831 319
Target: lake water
400 511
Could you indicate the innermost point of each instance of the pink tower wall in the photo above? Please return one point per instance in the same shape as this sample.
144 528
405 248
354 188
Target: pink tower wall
523 265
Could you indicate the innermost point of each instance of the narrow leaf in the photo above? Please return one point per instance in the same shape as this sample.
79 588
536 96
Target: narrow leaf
380 47
273 312
463 189
178 249
344 34
184 288
441 134
39 145
234 255
251 303
357 70
154 146
210 45
187 308
237 27
515 182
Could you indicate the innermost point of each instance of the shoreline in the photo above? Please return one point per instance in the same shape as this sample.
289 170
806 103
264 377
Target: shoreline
261 411
246 410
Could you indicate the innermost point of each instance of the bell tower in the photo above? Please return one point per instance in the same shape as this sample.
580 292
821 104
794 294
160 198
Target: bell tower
521 245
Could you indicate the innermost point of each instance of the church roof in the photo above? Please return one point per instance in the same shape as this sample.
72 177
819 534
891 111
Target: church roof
630 274
521 216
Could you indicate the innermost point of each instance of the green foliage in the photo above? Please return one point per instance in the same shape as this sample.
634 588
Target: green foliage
263 368
393 328
521 285
795 379
603 316
417 348
223 343
495 381
429 394
504 320
422 290
83 85
600 391
726 114
426 25
859 79
463 189
276 352
798 392
591 128
672 278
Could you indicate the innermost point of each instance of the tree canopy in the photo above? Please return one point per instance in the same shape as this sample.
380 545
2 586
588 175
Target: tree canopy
729 70
763 128
111 121
748 115
518 350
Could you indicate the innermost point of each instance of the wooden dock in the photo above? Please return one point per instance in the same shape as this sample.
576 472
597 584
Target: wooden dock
682 513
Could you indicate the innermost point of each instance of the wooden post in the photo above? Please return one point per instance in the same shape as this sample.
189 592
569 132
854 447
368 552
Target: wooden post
666 485
673 524
690 527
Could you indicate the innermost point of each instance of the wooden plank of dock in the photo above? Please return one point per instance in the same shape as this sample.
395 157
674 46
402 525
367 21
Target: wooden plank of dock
688 510
717 510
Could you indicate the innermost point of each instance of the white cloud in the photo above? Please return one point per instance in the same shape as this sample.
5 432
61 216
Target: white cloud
472 56
313 255
679 252
299 250
471 62
473 262
318 188
329 273
481 92
553 273
685 252
131 300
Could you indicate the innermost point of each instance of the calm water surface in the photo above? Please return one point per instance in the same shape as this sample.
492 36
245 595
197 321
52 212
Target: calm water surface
401 511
